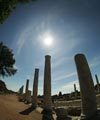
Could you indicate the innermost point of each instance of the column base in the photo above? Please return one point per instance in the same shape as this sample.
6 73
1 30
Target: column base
60 118
47 114
83 117
62 114
34 105
96 116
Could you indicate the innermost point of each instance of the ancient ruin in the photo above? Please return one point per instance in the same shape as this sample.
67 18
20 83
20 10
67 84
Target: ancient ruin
88 96
98 85
28 97
20 94
47 107
35 87
26 90
75 90
87 110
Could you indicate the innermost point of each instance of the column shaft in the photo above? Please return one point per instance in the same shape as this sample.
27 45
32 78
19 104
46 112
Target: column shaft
47 111
89 105
27 85
75 90
47 83
35 87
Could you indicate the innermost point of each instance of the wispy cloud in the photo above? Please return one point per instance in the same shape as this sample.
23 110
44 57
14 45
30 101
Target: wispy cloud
26 35
69 87
16 67
60 61
40 91
21 41
95 62
65 76
59 48
30 77
41 78
66 88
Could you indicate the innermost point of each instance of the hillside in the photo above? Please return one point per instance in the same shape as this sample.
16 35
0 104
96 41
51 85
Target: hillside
3 88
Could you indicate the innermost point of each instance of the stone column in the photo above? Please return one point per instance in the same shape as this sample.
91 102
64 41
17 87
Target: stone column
26 90
27 85
47 111
28 97
88 105
98 85
20 97
21 90
75 90
35 87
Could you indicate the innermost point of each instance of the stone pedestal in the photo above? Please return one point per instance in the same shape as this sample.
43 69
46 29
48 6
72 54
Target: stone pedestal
35 87
47 106
98 86
88 105
47 114
62 114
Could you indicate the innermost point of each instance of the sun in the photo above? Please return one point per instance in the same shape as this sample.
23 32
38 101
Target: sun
48 41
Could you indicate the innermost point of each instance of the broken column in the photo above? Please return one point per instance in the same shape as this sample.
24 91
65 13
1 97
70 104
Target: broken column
35 87
75 90
98 85
88 105
47 107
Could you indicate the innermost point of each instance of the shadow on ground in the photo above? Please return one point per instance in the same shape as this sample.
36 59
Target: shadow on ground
28 110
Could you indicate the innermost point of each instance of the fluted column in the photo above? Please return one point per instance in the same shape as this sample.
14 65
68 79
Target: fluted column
88 105
47 112
35 87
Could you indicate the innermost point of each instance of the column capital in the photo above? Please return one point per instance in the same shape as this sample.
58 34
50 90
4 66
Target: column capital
48 56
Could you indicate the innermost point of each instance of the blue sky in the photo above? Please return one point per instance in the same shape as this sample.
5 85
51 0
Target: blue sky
74 26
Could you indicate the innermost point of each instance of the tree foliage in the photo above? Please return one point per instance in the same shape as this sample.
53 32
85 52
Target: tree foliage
7 61
2 86
7 6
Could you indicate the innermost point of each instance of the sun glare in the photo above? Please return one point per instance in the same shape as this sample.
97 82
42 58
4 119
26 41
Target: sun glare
48 40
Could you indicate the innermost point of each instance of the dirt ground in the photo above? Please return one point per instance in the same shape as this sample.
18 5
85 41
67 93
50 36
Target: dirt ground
11 108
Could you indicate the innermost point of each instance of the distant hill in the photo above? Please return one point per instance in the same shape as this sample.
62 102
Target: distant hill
3 88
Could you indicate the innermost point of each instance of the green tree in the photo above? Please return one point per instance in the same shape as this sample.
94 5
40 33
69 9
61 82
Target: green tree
7 61
7 6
